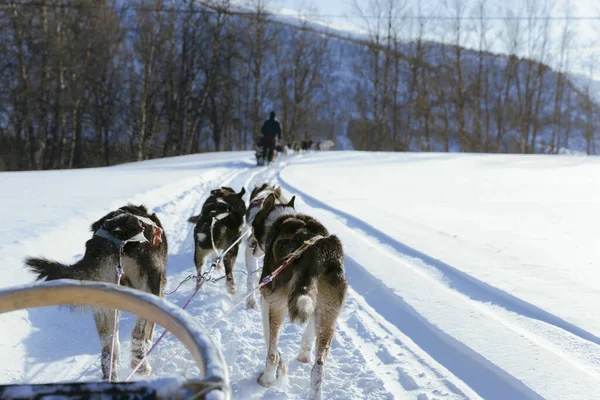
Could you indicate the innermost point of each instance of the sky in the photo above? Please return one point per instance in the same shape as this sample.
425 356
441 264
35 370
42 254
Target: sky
583 48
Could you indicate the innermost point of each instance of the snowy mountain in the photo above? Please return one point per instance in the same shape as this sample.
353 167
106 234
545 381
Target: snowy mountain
475 278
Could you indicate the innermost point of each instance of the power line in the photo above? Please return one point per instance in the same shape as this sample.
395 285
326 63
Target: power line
228 11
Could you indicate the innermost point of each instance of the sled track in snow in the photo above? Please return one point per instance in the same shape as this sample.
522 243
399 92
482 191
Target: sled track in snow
458 280
358 373
428 330
173 214
486 378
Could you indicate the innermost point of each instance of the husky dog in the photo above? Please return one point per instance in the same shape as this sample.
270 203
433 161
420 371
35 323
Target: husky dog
144 263
227 208
311 288
257 197
307 145
325 145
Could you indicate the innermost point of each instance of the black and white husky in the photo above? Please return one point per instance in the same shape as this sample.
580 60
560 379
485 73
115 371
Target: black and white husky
312 288
223 210
257 197
144 263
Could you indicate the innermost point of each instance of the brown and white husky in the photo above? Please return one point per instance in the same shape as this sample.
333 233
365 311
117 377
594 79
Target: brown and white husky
144 263
257 197
312 288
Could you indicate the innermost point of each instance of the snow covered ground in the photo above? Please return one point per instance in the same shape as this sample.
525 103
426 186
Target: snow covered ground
471 276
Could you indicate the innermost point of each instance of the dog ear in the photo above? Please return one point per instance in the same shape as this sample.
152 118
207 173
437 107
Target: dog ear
265 209
242 192
98 224
291 203
227 189
154 218
269 202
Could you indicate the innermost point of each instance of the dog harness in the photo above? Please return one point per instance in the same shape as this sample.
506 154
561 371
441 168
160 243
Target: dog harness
256 204
139 238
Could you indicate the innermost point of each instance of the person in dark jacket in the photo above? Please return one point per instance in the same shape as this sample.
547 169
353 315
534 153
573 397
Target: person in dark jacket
271 131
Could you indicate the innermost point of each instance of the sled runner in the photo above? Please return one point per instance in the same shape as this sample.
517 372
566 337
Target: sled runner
213 382
260 152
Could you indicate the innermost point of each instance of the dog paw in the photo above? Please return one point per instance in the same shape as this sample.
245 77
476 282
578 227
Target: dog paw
231 287
265 380
304 357
251 305
144 369
282 376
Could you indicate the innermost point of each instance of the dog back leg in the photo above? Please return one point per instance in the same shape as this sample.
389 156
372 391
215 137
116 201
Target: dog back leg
251 267
151 281
141 340
104 318
200 256
275 368
308 339
329 304
264 305
229 262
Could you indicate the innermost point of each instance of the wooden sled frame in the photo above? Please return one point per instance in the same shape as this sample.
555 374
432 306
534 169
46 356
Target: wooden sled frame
212 384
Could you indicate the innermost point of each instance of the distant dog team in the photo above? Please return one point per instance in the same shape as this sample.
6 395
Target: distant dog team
311 288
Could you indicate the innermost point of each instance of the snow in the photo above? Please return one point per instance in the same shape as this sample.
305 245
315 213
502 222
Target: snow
471 276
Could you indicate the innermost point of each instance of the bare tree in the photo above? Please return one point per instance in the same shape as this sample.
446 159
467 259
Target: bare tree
302 68
457 9
149 43
563 62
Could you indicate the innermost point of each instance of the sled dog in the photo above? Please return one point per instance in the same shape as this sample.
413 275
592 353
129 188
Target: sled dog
144 263
312 288
227 208
325 145
257 197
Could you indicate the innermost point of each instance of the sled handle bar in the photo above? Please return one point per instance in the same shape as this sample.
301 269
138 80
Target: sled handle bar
207 355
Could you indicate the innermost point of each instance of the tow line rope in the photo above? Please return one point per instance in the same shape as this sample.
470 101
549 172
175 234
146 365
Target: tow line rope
206 276
214 280
120 273
266 280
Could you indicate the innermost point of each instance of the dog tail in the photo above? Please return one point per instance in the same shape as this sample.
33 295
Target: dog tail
302 299
319 281
51 270
194 219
